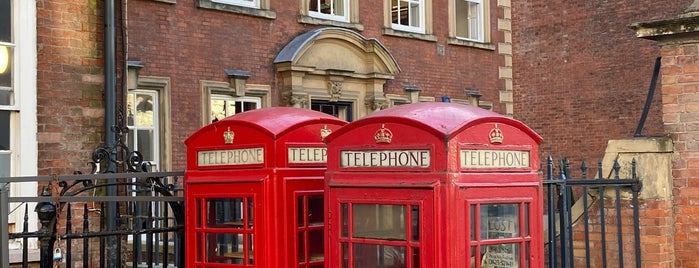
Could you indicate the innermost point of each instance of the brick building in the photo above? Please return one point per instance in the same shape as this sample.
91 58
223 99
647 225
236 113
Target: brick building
581 76
341 57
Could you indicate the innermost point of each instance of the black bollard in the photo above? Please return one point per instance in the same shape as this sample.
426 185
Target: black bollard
47 213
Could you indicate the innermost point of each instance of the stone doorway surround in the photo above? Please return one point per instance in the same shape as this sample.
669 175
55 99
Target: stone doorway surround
335 64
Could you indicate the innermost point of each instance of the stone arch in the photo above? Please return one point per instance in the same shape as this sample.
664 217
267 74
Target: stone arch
335 64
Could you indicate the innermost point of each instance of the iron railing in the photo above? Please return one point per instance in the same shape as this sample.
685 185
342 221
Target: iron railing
589 220
149 217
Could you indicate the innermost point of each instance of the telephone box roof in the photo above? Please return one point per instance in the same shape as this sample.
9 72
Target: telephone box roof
275 121
440 118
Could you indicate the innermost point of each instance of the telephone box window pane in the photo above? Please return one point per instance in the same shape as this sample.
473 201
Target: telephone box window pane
301 211
228 213
527 253
344 253
368 255
416 258
501 220
226 248
415 212
250 248
198 212
345 215
250 212
198 250
472 220
526 219
503 255
302 247
315 210
316 245
379 221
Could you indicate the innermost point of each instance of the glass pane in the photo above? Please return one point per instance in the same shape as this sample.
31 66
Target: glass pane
6 96
199 213
503 255
6 21
145 144
416 257
198 250
315 210
379 221
527 253
474 20
5 130
250 216
301 211
325 7
415 222
225 248
472 221
5 165
415 15
313 5
366 255
218 109
344 216
344 254
302 247
502 221
251 248
526 219
225 213
339 7
316 245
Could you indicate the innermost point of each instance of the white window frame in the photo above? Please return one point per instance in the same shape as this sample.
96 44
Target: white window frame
332 16
154 127
476 24
228 98
243 3
421 21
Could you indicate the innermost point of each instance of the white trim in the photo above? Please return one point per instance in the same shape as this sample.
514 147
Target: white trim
421 21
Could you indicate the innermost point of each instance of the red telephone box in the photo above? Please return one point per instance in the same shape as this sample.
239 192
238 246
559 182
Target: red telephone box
434 185
254 189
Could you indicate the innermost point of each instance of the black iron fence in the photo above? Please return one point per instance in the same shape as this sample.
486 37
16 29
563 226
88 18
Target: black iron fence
592 222
74 231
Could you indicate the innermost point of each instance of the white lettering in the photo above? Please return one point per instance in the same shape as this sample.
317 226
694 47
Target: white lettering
385 158
307 155
494 159
246 156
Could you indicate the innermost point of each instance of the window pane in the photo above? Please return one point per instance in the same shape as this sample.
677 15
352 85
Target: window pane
145 144
379 221
301 211
504 255
315 210
5 130
218 109
316 245
344 217
225 248
502 221
339 7
302 247
5 165
5 21
6 75
415 222
225 212
366 255
415 15
314 5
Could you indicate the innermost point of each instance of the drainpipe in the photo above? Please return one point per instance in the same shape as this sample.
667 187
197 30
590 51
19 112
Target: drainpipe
109 123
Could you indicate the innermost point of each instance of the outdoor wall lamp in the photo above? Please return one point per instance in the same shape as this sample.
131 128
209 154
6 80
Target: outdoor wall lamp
4 59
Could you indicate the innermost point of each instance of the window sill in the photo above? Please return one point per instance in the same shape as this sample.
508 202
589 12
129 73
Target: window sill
318 21
264 13
425 37
466 43
167 1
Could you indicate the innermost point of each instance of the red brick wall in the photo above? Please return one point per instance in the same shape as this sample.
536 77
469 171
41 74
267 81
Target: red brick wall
69 84
680 106
189 44
581 76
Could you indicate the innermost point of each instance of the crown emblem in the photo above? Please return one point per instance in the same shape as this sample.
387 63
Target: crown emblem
228 136
383 135
324 132
495 135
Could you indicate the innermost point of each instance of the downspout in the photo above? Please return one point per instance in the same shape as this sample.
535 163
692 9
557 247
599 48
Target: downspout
112 260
